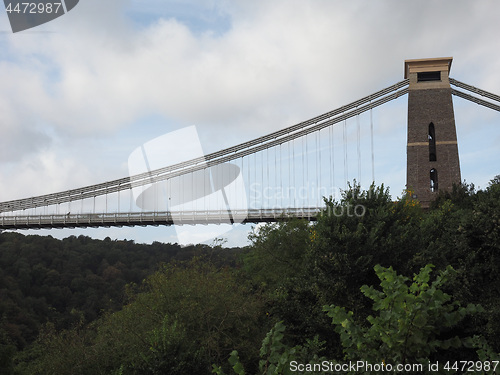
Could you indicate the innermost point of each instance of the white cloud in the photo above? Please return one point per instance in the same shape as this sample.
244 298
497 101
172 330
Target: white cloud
46 173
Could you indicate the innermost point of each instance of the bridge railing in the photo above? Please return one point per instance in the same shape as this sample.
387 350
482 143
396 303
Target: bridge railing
154 218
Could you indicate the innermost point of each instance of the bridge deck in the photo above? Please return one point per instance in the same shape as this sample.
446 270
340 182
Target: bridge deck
153 218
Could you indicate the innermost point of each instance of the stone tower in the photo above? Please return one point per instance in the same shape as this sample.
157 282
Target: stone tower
432 150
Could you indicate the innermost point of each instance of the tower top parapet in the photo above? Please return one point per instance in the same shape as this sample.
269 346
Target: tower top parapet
428 73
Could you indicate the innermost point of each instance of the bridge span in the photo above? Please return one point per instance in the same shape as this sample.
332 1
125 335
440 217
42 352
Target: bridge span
166 218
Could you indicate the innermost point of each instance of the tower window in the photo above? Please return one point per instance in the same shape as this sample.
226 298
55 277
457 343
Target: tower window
434 180
432 142
428 76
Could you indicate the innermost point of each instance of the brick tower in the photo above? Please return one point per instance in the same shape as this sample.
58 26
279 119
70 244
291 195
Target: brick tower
432 150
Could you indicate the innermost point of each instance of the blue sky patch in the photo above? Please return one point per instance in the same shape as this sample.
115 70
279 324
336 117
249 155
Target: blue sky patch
199 17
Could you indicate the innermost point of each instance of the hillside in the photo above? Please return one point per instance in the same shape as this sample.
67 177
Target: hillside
74 280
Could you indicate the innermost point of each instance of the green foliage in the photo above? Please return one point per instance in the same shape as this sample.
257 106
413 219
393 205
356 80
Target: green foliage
349 246
276 356
484 350
96 311
335 256
7 351
183 318
410 323
463 231
278 251
45 279
350 237
413 322
170 351
66 352
460 194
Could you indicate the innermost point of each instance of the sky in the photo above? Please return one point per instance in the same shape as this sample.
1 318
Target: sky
80 93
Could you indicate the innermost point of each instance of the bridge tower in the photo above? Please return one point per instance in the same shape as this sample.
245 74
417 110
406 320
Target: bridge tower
432 149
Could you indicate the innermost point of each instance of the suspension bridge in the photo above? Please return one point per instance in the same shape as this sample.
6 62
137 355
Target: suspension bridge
284 173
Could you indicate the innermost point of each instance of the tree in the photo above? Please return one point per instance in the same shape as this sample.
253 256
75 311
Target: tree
351 236
7 351
411 324
180 320
462 230
409 328
277 252
277 357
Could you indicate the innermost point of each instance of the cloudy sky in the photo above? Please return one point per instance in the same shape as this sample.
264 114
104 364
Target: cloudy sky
79 94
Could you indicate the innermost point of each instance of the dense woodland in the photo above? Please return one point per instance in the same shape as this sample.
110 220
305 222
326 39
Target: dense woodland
398 284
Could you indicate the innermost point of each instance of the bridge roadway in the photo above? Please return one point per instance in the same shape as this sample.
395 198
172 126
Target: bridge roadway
154 218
